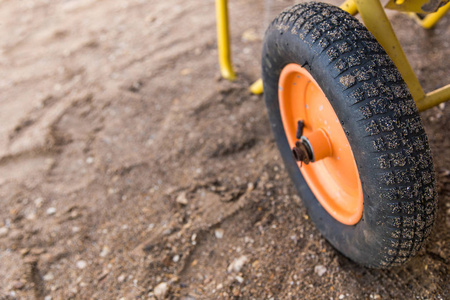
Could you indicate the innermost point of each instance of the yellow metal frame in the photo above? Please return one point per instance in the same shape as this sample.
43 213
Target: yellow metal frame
430 20
223 40
376 21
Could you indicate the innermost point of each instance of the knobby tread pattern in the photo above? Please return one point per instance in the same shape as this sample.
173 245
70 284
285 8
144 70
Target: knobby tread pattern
384 106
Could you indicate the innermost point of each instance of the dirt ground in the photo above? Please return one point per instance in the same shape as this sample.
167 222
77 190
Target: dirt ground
129 169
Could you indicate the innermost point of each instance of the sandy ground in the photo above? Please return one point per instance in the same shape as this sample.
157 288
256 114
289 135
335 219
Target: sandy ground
129 169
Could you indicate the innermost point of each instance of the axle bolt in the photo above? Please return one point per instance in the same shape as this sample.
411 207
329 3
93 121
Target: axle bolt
301 153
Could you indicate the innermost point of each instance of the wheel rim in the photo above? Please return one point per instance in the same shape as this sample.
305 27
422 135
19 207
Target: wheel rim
334 180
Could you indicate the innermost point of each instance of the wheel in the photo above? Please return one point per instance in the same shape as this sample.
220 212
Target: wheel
349 134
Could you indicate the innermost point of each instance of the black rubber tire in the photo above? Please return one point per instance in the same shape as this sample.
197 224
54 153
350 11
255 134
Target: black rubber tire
382 124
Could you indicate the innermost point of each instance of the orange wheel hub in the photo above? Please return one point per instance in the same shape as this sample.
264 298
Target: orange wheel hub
332 176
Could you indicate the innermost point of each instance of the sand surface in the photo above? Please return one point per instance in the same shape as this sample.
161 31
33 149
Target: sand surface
128 168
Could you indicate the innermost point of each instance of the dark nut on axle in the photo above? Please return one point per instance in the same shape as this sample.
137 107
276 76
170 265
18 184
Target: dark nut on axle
301 153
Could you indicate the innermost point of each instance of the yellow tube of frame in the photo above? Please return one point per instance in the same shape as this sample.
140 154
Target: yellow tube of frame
223 40
430 20
434 98
350 7
257 87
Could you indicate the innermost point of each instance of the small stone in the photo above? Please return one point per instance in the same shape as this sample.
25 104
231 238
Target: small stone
121 278
174 279
250 35
186 71
176 258
219 233
38 202
24 251
248 240
237 264
51 211
3 231
48 277
37 251
30 216
160 291
341 296
320 270
105 252
239 279
375 296
219 286
81 264
181 199
48 297
250 187
75 229
89 160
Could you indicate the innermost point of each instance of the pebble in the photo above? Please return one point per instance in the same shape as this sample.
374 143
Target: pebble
48 277
38 202
237 264
51 211
89 160
81 264
24 251
181 199
30 216
341 296
320 270
3 231
176 258
105 252
160 291
48 298
375 296
250 187
239 279
219 233
37 251
121 278
250 35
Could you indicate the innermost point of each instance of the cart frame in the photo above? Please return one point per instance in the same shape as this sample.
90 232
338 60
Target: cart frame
376 21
